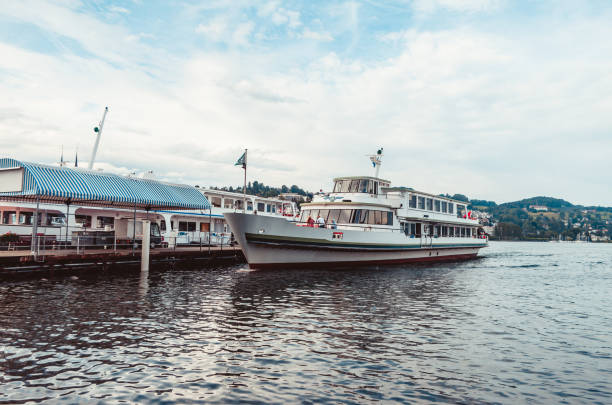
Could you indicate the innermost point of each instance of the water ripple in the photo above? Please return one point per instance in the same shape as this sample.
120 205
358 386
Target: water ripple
526 323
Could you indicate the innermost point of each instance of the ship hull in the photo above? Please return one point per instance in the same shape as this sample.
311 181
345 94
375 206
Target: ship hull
276 243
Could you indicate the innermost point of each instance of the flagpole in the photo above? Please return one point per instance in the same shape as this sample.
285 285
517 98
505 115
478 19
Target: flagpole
244 166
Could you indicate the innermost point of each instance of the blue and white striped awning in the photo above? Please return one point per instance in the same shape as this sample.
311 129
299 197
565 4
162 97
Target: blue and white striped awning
76 186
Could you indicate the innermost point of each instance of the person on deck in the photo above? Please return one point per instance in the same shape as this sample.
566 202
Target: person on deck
334 225
320 222
310 222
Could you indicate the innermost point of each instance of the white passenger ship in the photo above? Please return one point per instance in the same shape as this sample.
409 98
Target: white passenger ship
366 222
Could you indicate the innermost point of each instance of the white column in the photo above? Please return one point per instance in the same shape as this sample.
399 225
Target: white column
146 245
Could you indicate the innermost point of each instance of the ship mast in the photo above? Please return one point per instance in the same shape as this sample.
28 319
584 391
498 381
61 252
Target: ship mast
98 131
376 161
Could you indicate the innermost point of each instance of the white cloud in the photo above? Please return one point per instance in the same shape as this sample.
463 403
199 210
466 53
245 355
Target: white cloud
316 36
496 116
119 10
242 33
429 6
216 30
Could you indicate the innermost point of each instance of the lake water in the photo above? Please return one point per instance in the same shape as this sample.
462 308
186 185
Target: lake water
527 322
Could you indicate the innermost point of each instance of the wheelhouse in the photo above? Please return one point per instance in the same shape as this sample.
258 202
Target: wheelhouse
363 185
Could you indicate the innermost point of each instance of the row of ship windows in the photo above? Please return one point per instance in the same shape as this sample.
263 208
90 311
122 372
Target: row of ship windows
412 229
357 216
432 204
356 186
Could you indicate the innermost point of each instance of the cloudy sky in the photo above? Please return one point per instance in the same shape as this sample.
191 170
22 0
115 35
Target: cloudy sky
495 99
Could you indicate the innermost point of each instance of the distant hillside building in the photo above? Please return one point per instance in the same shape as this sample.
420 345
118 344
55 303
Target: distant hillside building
538 207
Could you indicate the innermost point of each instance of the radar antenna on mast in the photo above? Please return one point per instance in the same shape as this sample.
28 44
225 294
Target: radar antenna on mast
376 161
98 131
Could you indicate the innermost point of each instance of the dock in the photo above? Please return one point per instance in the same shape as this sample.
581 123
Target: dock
23 263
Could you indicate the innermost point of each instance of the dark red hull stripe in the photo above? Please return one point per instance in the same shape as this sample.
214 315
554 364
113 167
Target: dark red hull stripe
312 245
426 259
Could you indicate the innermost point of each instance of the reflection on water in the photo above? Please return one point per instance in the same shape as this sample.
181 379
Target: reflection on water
528 322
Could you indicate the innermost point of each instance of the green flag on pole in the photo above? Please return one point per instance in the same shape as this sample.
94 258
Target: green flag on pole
242 161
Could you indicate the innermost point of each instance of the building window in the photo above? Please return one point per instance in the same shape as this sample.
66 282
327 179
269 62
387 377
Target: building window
25 218
105 221
85 220
215 202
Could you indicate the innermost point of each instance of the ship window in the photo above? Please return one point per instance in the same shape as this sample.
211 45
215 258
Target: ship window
437 205
450 208
268 208
462 231
378 217
182 226
363 186
371 187
422 203
324 214
344 217
444 206
460 211
389 218
413 201
371 218
191 226
356 216
451 231
337 186
363 219
261 206
413 230
354 186
430 204
314 214
333 215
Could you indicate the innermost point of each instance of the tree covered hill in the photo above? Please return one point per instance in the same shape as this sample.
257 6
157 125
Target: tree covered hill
541 218
260 189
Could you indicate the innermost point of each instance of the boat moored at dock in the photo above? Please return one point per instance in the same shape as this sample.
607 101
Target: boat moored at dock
362 221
